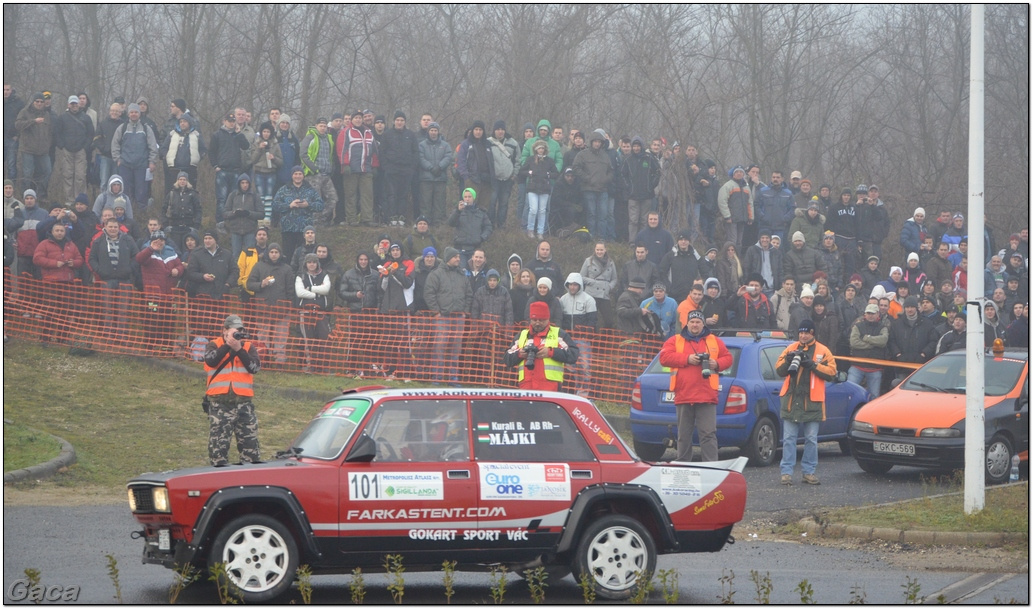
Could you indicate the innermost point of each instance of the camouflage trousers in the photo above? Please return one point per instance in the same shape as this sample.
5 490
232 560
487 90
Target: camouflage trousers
226 418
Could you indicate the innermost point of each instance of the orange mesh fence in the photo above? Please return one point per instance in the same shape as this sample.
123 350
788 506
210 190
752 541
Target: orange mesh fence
403 346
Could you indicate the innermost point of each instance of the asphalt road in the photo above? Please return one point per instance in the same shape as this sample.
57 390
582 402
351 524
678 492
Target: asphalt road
68 545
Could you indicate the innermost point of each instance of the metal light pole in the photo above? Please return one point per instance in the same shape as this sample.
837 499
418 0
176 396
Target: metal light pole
974 372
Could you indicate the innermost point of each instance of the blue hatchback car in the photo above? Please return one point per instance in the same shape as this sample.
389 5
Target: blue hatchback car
748 404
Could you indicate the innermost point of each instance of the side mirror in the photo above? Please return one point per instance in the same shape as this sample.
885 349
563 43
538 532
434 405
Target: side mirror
364 450
841 377
1022 403
896 382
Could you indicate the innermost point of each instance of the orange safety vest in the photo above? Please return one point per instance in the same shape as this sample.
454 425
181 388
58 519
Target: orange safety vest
817 383
233 376
679 346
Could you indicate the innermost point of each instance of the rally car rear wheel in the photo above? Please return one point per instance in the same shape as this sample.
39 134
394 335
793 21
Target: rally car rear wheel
260 557
614 551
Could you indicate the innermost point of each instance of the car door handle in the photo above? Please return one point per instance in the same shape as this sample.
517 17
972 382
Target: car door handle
458 474
584 474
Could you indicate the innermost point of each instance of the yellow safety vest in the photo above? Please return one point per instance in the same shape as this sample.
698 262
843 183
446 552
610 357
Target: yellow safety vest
553 369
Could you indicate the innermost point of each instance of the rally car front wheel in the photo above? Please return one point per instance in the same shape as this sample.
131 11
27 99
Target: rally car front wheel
615 552
260 557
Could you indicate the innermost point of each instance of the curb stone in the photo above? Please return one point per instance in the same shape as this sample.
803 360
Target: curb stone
950 538
44 470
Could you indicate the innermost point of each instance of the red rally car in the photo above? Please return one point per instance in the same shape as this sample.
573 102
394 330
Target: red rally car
483 477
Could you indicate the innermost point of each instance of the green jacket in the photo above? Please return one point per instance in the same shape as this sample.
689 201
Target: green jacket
554 147
310 149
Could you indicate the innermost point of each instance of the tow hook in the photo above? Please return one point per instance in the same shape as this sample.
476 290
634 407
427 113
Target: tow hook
137 535
731 540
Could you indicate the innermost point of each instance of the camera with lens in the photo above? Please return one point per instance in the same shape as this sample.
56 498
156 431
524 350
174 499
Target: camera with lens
241 335
531 354
797 359
704 361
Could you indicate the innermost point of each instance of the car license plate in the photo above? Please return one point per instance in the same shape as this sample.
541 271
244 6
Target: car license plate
668 396
164 539
894 448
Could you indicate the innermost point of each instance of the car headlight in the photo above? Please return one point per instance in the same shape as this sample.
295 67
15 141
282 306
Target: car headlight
856 425
940 432
132 501
161 499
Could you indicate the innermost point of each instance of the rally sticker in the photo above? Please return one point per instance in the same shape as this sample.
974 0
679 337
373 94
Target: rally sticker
681 481
388 486
526 481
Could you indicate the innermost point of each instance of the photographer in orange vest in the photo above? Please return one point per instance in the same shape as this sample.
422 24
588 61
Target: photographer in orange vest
695 357
230 363
806 364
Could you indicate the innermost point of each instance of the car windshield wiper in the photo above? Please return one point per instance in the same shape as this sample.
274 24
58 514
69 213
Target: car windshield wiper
292 451
930 387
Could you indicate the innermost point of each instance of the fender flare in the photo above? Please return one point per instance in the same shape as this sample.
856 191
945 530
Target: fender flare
229 497
590 496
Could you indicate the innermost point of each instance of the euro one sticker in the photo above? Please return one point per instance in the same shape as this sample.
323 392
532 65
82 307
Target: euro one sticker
525 481
396 486
680 481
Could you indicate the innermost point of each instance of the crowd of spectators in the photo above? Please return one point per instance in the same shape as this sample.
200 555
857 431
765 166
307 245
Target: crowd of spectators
788 251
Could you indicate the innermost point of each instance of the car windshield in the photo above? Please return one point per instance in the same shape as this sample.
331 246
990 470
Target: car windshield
656 368
946 374
326 435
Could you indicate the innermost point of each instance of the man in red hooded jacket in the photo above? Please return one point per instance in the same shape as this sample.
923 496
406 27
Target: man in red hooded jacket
695 356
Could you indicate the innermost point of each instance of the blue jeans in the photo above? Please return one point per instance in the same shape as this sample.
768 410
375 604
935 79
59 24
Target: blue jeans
448 345
501 189
873 380
595 212
105 167
11 158
537 207
135 186
36 170
521 200
790 432
606 222
225 181
239 243
584 364
265 185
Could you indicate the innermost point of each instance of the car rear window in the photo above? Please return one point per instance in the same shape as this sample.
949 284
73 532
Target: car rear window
946 374
656 368
522 431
